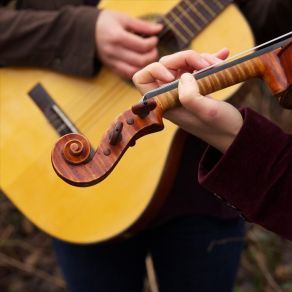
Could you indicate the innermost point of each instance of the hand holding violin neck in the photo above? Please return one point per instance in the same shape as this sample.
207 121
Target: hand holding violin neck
273 67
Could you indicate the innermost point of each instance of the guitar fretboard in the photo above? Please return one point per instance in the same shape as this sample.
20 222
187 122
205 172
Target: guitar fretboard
189 17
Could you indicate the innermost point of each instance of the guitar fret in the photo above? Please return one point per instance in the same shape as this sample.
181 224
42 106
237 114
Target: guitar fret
219 4
198 20
190 5
207 8
213 7
183 26
190 19
197 12
177 32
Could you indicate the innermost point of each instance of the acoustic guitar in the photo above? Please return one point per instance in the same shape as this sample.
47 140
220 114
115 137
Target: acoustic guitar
30 127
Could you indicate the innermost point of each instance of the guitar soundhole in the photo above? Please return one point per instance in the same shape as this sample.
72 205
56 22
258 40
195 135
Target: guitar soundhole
167 41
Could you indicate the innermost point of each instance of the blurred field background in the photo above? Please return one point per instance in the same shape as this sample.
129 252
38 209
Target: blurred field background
28 264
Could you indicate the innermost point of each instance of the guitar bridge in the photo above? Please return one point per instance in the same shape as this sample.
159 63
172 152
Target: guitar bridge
53 113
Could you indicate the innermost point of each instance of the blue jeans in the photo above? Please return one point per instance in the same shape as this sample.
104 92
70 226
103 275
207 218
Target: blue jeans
190 254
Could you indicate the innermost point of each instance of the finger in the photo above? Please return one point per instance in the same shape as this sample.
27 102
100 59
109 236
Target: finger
149 77
216 58
142 27
192 100
123 69
188 90
137 43
133 58
186 61
222 54
211 59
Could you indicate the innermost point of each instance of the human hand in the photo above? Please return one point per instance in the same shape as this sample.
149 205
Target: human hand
215 122
120 45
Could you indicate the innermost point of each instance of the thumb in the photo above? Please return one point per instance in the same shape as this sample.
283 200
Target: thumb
188 91
202 107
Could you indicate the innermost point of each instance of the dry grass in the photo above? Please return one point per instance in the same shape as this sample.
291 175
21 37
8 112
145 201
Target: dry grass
27 262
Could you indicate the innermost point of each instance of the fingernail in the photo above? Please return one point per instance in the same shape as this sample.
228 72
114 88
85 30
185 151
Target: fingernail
170 76
155 40
204 63
159 25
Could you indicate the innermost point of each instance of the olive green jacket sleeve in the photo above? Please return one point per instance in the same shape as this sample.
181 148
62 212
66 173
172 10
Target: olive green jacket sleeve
60 34
49 34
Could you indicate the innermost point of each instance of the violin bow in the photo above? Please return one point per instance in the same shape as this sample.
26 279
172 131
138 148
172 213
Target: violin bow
77 163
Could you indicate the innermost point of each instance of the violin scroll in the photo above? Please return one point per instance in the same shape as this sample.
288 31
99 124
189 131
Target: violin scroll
75 161
77 149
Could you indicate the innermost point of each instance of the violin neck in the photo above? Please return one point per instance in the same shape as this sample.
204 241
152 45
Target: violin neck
267 67
230 76
216 81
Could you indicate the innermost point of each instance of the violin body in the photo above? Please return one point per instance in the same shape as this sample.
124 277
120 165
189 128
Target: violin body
139 183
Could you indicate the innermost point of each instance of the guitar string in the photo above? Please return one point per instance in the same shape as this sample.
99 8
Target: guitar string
118 103
179 15
108 105
95 106
103 105
175 20
99 103
231 58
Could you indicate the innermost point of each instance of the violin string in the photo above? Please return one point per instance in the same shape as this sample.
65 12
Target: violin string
213 66
86 121
171 85
251 49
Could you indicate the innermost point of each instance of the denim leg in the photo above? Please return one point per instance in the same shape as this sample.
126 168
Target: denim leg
104 267
197 254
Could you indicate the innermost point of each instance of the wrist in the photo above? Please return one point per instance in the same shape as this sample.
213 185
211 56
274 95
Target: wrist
226 140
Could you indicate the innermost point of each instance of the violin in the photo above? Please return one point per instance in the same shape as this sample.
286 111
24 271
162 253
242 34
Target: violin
77 163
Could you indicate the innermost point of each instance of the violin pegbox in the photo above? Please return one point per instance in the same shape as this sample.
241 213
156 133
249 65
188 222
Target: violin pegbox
77 163
277 73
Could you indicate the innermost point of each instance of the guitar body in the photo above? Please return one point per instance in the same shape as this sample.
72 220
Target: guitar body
86 215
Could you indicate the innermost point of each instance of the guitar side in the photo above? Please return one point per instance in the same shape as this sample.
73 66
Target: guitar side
83 215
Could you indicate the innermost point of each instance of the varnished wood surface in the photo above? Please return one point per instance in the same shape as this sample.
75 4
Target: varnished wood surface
26 139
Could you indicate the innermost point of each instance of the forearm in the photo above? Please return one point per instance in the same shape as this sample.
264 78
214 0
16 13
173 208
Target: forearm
254 174
61 40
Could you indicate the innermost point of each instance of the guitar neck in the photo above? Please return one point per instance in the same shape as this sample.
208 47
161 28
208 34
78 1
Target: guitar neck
189 17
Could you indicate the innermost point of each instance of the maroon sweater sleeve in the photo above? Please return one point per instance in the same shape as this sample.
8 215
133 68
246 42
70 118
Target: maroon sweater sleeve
255 173
62 40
